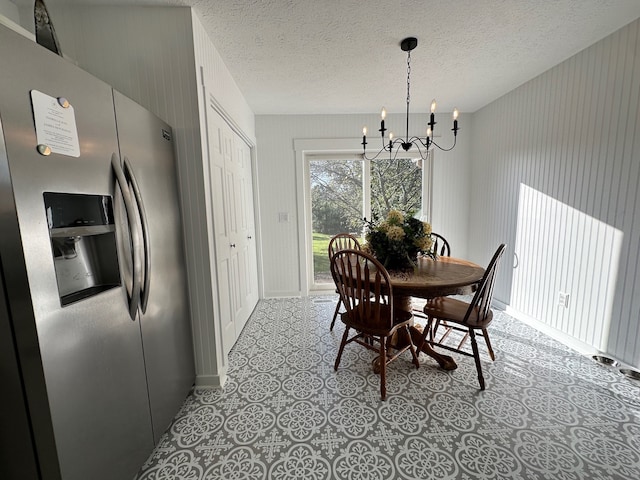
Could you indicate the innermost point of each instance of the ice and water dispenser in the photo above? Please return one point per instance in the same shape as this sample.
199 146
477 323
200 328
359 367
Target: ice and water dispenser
83 243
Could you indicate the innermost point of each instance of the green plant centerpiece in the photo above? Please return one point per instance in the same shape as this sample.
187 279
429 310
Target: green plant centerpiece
397 240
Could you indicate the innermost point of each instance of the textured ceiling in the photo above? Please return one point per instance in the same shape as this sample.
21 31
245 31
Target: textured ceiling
343 56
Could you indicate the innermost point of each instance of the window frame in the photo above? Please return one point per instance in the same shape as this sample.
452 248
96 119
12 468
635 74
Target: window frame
308 150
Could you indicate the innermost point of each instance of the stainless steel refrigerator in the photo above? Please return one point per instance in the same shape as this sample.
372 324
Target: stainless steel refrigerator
95 338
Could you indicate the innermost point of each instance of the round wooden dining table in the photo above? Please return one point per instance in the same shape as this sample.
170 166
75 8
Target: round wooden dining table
430 279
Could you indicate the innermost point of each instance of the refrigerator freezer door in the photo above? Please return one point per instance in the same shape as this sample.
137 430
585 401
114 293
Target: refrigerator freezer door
146 147
17 458
90 351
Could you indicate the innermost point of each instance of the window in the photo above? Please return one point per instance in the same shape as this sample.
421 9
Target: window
396 184
344 189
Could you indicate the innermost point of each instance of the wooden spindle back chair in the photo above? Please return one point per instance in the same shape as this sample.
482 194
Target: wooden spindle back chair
440 245
465 317
367 296
341 241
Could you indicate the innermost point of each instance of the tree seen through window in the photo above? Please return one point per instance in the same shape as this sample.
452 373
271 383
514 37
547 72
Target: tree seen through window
337 199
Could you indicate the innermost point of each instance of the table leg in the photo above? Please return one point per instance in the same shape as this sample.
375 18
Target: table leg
445 361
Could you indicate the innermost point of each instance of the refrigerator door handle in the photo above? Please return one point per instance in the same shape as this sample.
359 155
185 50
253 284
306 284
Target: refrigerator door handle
144 291
134 232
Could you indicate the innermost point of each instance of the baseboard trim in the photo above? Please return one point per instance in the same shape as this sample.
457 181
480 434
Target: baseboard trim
217 381
568 340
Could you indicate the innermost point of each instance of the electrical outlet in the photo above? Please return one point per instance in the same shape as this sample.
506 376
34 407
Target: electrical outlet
563 299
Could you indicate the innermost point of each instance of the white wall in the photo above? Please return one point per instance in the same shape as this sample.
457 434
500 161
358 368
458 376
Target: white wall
224 88
10 11
560 176
213 73
278 187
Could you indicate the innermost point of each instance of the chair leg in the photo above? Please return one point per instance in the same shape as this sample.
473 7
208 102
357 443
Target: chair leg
427 331
345 337
383 368
485 334
433 329
476 356
335 315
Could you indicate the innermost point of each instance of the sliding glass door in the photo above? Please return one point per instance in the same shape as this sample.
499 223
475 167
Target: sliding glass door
346 189
396 185
336 207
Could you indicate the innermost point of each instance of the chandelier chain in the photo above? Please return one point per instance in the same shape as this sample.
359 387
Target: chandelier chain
408 75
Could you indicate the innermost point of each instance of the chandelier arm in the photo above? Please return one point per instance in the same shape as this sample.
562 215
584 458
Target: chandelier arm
424 155
394 144
446 149
364 155
395 156
391 144
418 139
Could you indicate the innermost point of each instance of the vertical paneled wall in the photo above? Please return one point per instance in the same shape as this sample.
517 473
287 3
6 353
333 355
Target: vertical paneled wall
555 169
278 188
212 72
223 87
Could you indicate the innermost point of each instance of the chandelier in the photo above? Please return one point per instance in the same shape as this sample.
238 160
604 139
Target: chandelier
424 144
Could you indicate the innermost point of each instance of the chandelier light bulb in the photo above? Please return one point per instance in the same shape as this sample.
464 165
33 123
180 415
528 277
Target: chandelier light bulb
383 114
390 136
455 113
364 131
428 132
433 105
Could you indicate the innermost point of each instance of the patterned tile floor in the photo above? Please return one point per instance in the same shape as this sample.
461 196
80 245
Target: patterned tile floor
547 412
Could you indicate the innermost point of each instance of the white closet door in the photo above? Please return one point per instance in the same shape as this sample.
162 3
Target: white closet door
233 184
222 226
247 261
234 235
